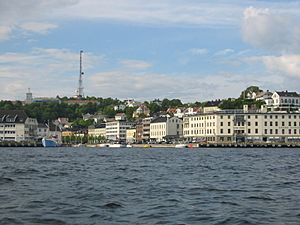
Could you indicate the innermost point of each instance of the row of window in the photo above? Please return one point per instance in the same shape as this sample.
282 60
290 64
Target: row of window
7 125
158 133
7 132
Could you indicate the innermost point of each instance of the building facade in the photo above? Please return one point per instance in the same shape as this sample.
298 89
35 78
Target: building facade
15 125
116 130
233 126
165 128
285 100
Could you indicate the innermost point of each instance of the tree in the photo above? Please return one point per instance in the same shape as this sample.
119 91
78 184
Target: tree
249 91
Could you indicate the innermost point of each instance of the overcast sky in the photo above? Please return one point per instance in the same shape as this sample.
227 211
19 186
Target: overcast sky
194 50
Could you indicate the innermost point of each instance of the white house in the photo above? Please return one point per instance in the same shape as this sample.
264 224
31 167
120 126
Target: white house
165 128
15 125
116 130
286 100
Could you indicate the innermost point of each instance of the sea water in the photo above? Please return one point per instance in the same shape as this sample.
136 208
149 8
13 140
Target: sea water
149 186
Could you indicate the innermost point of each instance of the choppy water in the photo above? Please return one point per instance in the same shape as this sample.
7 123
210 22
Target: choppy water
149 186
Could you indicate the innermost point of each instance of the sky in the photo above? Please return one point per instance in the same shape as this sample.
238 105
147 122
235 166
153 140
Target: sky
194 50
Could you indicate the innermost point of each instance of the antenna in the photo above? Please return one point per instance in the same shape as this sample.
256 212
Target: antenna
80 87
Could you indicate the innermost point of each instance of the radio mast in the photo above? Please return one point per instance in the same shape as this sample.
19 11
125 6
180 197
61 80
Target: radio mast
80 87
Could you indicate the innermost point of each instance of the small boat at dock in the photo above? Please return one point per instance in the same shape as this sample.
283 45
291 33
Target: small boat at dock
181 146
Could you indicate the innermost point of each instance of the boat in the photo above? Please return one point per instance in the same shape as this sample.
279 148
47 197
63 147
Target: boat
117 145
181 146
103 145
128 146
50 142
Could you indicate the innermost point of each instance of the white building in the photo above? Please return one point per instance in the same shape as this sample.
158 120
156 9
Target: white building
15 125
42 130
116 130
286 100
239 126
165 128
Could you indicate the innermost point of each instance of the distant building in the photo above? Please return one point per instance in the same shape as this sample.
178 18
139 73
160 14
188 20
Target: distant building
15 125
80 101
116 130
131 135
120 116
141 110
29 98
97 131
146 129
165 129
42 130
233 126
139 133
285 100
120 107
97 117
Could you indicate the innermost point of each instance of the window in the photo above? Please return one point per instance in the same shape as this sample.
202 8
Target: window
228 123
295 131
271 123
266 124
256 123
256 116
256 131
282 123
221 131
249 123
276 123
229 131
290 131
265 116
249 131
221 124
282 131
290 124
266 131
276 131
271 131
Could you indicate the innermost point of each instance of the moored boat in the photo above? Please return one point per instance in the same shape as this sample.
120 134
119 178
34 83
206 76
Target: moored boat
116 145
49 142
181 146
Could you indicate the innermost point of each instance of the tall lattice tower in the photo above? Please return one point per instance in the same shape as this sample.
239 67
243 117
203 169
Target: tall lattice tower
80 86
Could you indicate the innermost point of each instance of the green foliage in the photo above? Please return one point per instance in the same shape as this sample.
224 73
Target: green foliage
249 91
166 103
238 103
129 112
80 123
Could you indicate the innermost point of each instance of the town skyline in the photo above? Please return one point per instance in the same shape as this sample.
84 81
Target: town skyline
188 50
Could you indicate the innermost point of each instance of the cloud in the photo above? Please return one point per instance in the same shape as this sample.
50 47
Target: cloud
285 64
157 12
41 28
224 52
135 64
198 87
198 51
47 71
5 31
271 31
28 14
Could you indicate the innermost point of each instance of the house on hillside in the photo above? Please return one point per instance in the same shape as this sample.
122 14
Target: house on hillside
285 100
141 110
